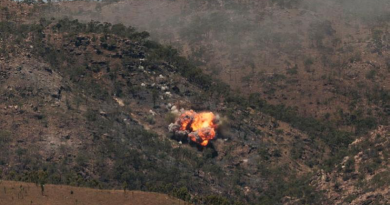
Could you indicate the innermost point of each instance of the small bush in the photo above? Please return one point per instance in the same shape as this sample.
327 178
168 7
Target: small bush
150 119
371 74
5 137
170 117
91 115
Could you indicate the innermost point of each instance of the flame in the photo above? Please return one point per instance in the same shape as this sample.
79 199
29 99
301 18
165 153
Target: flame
199 126
185 119
204 143
203 120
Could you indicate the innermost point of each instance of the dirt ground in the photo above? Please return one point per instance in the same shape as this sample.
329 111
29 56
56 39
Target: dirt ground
18 193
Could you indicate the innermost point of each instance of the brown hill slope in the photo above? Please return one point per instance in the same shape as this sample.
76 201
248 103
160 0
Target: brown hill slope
327 59
18 193
363 177
89 105
83 118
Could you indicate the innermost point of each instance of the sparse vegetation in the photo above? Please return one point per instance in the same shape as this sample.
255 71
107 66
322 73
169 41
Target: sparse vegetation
78 98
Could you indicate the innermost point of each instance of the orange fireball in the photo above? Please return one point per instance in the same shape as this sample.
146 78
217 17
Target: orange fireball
199 126
202 136
203 120
185 119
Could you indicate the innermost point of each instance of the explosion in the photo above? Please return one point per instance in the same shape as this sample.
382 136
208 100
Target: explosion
198 127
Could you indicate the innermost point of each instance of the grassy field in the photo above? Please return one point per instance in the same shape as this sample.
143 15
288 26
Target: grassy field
18 193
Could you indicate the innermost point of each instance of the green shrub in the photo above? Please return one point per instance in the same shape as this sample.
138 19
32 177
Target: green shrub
5 137
350 198
170 117
150 119
216 200
182 193
349 166
371 74
309 62
91 115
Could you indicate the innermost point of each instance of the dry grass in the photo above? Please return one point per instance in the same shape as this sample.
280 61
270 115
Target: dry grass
19 193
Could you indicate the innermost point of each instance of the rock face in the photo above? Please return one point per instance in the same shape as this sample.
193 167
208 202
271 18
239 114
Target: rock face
32 78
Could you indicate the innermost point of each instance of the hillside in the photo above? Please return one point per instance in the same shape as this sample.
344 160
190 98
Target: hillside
88 103
363 176
18 193
325 59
